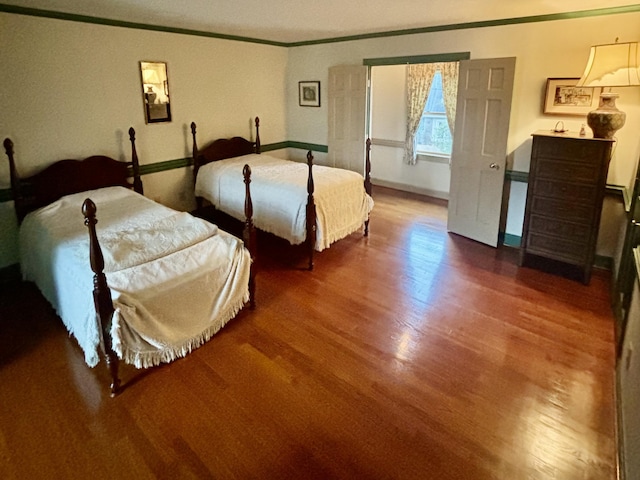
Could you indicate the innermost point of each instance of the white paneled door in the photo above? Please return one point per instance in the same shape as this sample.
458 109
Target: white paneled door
347 116
479 151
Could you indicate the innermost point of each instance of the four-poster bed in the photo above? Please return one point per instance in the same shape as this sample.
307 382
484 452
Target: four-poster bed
148 284
314 205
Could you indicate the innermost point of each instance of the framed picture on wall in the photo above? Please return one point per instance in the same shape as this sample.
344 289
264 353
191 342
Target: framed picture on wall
562 97
309 94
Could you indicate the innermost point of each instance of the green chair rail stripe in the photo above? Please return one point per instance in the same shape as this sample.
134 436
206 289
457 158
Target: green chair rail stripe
510 175
516 176
308 146
35 12
147 169
163 166
274 146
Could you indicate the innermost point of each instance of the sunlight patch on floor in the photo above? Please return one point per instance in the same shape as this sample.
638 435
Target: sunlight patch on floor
420 285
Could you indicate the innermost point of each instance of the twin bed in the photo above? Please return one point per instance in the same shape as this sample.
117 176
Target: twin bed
314 205
148 284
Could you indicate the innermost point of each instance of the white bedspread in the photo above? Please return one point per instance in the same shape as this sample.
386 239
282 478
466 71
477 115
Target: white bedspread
279 193
175 280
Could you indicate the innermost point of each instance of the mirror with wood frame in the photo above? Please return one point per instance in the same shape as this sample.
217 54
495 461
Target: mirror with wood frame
155 92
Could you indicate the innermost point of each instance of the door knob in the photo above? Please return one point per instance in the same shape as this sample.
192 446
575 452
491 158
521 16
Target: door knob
495 166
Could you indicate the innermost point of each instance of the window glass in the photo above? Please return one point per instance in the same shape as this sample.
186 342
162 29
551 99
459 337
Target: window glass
433 136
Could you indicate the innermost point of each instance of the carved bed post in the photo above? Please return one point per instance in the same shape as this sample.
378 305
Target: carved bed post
257 135
101 294
196 162
367 181
249 235
194 151
16 186
135 164
311 211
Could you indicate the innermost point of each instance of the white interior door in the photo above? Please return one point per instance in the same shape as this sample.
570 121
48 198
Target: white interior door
347 116
480 148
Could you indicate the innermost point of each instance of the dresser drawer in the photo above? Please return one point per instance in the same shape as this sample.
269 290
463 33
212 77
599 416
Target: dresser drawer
571 192
577 232
557 248
563 211
559 148
555 169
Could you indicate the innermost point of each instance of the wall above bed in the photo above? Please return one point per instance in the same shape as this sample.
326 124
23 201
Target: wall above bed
72 89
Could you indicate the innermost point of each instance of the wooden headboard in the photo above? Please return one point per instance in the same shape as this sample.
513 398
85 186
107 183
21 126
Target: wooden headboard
223 148
65 177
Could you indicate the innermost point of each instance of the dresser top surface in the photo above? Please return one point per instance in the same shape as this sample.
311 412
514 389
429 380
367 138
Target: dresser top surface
568 134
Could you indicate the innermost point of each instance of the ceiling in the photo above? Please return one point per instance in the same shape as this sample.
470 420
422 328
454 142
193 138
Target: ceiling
293 21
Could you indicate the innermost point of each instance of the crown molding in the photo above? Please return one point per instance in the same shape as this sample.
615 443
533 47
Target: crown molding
35 12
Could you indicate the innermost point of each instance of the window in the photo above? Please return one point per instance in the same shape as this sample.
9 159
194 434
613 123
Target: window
433 136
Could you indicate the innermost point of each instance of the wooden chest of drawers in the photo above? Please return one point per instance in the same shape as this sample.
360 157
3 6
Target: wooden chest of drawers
567 180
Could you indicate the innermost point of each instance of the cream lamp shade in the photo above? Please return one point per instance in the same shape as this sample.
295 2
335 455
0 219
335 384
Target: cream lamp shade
611 65
150 76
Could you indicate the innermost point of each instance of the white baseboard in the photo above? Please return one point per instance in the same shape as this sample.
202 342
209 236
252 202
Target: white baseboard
410 188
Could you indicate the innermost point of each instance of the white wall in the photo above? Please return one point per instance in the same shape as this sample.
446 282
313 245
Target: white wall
543 50
71 90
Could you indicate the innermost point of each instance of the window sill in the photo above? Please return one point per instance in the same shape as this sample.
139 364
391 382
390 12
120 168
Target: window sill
434 158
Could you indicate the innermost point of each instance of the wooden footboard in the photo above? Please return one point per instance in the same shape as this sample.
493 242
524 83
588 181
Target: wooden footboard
101 295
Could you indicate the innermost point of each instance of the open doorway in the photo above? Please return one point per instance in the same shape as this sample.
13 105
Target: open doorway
472 177
431 174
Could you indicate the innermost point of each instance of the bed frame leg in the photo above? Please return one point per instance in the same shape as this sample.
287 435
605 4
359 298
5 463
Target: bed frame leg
249 235
368 187
311 211
101 295
112 364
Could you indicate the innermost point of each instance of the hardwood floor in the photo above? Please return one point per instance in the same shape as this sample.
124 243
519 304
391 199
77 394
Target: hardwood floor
410 354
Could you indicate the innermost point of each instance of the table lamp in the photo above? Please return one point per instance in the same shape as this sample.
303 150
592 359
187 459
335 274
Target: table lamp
610 65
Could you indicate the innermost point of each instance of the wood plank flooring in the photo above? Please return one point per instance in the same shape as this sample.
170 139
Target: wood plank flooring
410 354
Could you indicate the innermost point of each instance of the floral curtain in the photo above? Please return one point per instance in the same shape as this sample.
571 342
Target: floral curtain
419 79
449 72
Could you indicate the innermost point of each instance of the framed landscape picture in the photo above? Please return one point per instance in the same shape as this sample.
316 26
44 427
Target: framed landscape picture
562 97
